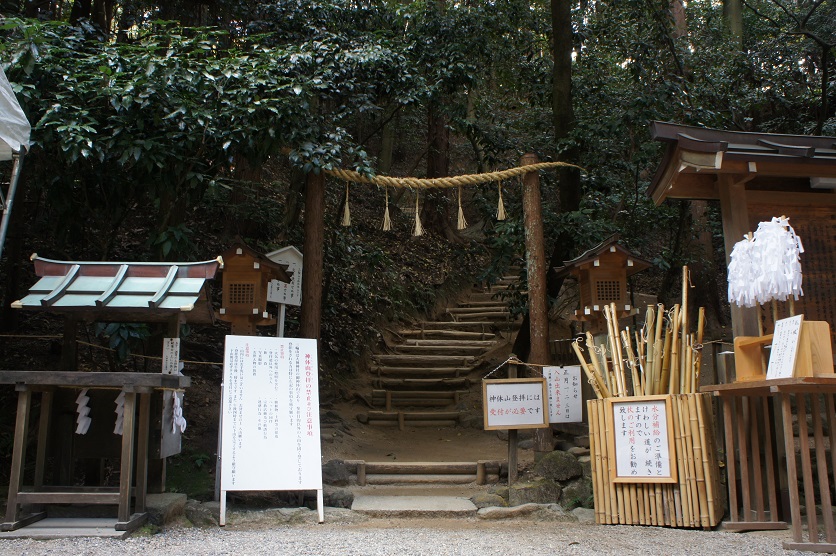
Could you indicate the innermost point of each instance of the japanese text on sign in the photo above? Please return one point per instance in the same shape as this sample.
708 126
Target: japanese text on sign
564 389
784 350
514 403
270 436
641 439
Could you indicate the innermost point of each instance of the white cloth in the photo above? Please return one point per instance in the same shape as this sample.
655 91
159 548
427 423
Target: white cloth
14 127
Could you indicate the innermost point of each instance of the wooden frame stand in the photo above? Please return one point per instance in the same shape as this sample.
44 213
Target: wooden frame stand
814 356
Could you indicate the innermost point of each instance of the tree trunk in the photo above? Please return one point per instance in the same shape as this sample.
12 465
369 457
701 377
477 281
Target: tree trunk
733 13
435 214
309 323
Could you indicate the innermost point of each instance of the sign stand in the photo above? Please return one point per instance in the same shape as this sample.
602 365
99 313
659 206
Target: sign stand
286 293
270 418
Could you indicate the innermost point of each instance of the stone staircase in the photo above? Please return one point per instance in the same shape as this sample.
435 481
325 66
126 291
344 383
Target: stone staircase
422 372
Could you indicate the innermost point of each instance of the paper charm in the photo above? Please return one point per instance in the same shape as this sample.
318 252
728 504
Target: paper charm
177 421
766 265
83 420
120 411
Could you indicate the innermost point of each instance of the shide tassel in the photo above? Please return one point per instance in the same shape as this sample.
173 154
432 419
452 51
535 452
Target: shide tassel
500 211
462 223
387 222
419 230
346 211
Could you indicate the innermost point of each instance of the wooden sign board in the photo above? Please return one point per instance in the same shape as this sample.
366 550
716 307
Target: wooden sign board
515 403
282 292
171 440
564 394
784 352
640 439
270 438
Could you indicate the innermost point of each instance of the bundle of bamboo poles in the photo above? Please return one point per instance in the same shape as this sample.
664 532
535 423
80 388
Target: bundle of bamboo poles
693 501
666 357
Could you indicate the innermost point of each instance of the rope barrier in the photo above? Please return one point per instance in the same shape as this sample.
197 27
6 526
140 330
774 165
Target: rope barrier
447 182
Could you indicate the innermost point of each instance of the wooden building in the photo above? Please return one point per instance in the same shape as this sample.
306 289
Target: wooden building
756 176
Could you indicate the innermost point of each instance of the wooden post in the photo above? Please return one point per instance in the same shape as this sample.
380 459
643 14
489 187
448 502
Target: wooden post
536 266
512 443
313 247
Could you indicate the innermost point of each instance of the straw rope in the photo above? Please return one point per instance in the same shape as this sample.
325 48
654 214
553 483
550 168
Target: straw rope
447 182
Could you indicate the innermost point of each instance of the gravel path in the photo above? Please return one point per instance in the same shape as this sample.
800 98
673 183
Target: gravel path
407 537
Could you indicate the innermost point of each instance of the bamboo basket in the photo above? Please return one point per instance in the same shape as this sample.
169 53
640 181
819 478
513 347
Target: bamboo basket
694 501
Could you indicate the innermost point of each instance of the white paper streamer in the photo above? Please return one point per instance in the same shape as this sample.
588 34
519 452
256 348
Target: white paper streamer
766 267
177 421
120 411
83 420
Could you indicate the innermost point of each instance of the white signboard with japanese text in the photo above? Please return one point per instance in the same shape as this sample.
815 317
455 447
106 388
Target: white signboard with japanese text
171 356
564 391
270 416
784 351
641 439
282 292
515 403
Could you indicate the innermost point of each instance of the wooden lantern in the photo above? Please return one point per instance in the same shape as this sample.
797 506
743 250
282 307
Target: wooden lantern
246 278
602 274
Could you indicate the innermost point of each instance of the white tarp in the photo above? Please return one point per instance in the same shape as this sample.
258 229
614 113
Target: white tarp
14 127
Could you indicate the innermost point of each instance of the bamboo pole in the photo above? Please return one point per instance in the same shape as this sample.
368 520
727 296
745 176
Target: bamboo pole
609 466
638 388
596 381
698 365
699 458
593 357
594 459
615 351
674 372
681 496
649 348
659 342
709 460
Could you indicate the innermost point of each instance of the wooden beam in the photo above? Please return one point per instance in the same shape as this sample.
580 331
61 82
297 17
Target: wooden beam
95 380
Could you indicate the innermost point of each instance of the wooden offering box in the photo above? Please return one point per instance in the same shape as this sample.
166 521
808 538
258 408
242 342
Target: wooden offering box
687 494
803 352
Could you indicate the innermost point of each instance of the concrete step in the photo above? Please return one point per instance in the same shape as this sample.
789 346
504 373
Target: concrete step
413 506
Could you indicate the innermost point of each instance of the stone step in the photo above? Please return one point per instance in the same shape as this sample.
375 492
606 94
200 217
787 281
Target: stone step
461 316
496 308
463 349
415 398
446 342
421 383
401 360
470 326
485 303
420 371
416 334
413 506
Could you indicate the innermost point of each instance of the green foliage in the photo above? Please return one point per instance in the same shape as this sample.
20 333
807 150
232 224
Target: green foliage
122 337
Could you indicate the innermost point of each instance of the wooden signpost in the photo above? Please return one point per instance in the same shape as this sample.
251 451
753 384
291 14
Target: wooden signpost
270 417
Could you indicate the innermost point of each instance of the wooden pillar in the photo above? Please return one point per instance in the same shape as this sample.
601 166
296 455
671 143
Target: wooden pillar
309 323
537 295
735 216
69 349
